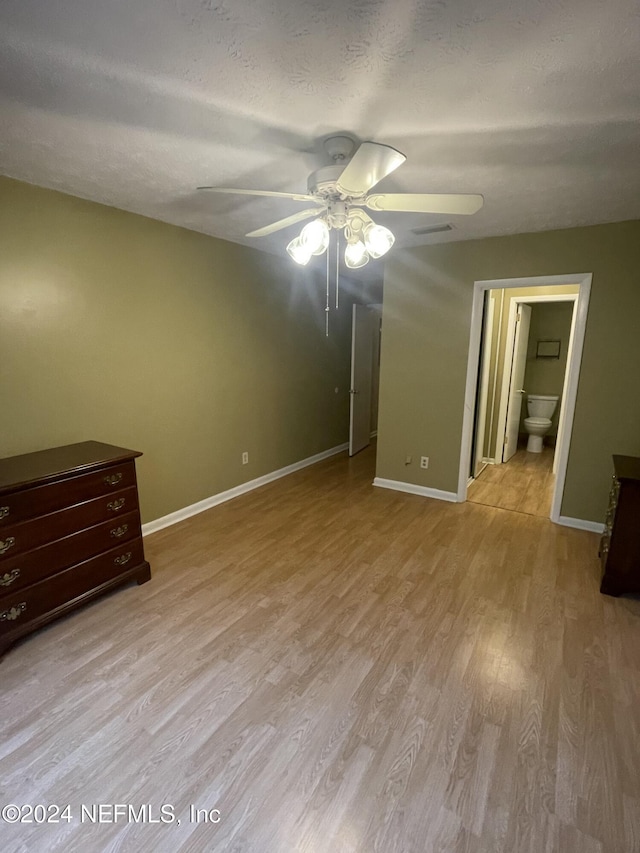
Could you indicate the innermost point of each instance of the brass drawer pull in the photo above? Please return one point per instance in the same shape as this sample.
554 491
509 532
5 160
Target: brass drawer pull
113 479
4 511
123 559
114 506
12 614
9 577
117 532
9 542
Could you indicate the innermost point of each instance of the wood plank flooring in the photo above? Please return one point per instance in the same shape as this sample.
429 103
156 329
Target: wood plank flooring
523 484
337 668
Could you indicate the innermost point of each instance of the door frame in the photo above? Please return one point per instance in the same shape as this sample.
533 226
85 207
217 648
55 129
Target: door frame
479 457
574 360
508 359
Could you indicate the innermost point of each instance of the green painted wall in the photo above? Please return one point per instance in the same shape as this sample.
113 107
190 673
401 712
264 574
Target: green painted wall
121 329
428 295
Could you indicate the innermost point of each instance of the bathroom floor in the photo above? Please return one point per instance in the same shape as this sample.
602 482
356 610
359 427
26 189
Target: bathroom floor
523 484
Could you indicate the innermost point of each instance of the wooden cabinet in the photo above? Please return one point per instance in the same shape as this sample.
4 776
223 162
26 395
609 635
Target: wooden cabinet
69 530
620 543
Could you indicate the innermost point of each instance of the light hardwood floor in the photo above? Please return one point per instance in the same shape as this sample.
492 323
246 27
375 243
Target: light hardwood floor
338 669
523 484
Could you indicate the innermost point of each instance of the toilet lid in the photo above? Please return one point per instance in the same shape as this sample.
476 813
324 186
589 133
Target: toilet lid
538 421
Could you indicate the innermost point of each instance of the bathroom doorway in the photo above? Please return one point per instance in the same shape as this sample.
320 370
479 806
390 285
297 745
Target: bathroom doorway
364 389
526 341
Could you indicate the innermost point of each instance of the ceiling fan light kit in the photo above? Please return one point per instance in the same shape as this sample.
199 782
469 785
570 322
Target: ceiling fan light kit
378 240
300 254
315 236
340 192
365 239
355 254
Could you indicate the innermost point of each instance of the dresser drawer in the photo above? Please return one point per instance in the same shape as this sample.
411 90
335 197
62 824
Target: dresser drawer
32 566
41 500
27 604
18 538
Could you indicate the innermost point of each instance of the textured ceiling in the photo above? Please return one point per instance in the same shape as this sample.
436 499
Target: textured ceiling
533 103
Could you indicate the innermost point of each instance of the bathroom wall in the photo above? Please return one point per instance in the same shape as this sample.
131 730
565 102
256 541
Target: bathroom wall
549 321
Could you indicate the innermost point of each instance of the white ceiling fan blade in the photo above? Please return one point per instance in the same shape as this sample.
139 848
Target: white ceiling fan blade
294 196
370 164
283 223
426 202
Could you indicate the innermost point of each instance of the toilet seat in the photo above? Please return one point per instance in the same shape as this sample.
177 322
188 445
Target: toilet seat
539 422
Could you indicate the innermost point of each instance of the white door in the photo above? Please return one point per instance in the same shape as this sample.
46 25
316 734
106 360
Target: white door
516 391
360 391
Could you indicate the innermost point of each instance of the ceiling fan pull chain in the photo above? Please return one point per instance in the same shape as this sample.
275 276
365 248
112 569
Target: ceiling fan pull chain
326 310
337 267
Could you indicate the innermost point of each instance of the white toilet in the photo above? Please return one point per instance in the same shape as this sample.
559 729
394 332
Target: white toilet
538 424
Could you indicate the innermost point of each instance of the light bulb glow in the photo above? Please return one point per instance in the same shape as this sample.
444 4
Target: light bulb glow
378 240
314 237
355 255
299 253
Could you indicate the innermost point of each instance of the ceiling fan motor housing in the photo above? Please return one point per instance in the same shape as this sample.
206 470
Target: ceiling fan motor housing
322 183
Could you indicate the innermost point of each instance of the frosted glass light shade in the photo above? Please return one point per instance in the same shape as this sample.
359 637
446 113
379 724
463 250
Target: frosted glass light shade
356 255
299 253
377 239
314 237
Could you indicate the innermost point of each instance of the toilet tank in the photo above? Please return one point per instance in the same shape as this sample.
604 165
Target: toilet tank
541 405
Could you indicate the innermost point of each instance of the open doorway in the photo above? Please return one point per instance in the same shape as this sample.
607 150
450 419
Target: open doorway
524 362
365 375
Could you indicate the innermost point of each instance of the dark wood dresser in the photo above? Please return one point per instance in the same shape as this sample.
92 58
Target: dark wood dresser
620 543
69 531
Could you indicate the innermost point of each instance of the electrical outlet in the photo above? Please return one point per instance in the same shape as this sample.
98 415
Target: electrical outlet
245 458
424 461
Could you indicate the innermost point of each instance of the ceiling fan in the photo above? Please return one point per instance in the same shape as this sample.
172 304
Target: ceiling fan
341 192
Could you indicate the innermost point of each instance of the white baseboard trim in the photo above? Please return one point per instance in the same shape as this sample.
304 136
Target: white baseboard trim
243 488
580 524
412 489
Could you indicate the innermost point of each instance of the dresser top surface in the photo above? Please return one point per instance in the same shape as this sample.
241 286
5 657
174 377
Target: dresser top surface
47 465
627 467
